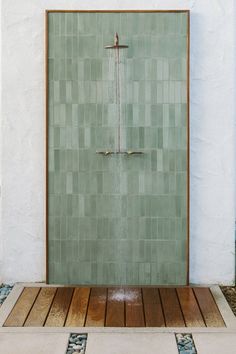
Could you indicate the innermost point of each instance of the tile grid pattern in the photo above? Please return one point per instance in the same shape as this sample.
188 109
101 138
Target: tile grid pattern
117 220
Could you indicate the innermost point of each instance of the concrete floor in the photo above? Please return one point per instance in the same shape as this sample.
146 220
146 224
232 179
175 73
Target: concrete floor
115 343
33 343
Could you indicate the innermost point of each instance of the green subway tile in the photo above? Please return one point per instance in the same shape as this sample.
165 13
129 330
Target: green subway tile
154 160
69 205
160 138
51 24
166 183
99 180
69 18
54 250
62 91
56 23
67 46
62 67
69 188
138 69
52 69
51 165
87 69
56 160
56 137
145 273
132 274
121 215
181 183
56 91
157 115
75 91
68 91
183 23
61 17
96 69
69 69
51 47
81 137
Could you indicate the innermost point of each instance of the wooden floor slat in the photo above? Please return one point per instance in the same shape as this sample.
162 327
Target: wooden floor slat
41 307
152 308
115 307
190 308
171 308
208 308
115 316
22 307
78 308
134 308
58 312
96 308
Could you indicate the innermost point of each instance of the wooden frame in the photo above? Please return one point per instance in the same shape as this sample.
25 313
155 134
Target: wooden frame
188 113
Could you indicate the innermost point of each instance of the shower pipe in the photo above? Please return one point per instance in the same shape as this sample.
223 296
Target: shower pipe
117 46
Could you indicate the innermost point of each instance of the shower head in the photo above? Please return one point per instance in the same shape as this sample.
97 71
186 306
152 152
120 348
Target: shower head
116 44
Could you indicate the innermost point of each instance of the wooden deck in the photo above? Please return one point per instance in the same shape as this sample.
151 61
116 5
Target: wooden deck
115 307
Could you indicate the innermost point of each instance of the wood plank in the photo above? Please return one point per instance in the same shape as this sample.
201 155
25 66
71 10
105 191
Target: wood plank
96 308
190 308
115 316
171 308
22 307
208 307
78 308
58 312
41 307
152 308
134 308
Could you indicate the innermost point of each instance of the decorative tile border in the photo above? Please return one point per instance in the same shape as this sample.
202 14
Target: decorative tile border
77 343
5 290
185 343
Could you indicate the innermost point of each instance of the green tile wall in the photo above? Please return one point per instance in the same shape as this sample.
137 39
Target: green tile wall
117 219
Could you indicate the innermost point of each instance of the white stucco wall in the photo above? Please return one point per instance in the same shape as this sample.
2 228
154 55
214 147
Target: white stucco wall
213 136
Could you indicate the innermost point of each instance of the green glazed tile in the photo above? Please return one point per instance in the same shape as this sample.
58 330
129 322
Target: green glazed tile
119 217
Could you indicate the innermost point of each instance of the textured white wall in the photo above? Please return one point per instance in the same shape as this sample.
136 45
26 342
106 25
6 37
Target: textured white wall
212 135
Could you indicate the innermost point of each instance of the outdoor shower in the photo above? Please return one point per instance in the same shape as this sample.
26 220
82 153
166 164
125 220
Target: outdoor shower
116 47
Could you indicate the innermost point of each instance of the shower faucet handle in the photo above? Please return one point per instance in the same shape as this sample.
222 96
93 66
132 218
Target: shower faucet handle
129 152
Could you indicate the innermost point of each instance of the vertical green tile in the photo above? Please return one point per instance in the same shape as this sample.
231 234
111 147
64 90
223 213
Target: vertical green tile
116 219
